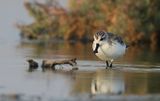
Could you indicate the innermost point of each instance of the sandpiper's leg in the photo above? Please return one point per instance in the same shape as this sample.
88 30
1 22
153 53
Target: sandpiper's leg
111 63
107 64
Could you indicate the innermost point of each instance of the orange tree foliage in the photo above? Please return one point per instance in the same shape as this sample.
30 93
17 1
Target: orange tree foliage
135 20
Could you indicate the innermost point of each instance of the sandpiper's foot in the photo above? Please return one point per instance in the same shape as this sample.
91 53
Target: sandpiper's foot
110 65
107 65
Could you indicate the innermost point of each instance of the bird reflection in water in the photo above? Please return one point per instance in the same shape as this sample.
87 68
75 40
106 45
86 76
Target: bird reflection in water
110 82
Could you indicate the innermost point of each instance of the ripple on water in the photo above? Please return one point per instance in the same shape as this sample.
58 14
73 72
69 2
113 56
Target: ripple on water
93 65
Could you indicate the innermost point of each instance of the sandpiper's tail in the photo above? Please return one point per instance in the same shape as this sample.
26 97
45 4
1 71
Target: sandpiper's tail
132 44
127 46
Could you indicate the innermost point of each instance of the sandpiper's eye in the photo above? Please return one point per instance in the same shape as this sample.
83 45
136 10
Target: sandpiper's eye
102 39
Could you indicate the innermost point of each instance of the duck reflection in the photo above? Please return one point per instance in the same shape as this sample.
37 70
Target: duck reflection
107 82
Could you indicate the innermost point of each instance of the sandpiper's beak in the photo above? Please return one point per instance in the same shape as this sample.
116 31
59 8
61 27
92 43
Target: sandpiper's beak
96 49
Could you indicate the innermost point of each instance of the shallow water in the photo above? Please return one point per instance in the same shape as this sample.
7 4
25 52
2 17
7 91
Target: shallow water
136 76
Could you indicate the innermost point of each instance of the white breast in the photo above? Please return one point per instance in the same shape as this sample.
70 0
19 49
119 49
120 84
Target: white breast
108 52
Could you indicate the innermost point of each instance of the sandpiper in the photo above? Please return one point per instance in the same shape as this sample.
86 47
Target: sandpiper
108 46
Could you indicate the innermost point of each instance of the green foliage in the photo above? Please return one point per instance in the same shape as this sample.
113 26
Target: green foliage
36 11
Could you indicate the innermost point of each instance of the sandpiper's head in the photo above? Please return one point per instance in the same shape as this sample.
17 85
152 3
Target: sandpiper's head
99 38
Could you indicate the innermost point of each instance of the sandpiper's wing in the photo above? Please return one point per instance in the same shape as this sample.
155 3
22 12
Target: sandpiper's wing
112 37
119 40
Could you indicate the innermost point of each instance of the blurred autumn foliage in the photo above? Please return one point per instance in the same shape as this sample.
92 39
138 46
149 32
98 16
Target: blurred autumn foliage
138 21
